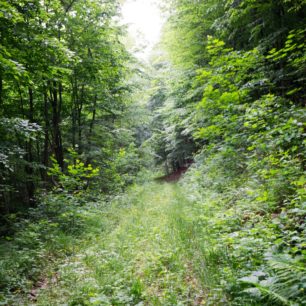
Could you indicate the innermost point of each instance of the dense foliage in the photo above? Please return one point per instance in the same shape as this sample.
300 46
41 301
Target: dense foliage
81 119
65 136
63 86
235 103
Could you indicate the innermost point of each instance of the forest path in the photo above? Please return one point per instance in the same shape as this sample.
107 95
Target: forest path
139 257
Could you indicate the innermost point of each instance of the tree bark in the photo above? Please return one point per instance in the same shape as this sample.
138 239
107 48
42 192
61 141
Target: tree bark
74 99
57 136
93 119
45 159
29 157
79 118
1 89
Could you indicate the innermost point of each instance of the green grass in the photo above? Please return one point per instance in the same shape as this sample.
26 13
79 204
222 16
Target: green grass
162 244
134 253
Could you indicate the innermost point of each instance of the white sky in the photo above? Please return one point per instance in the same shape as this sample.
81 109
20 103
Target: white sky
144 24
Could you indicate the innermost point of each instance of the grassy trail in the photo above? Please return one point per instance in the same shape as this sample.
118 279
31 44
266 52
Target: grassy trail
134 254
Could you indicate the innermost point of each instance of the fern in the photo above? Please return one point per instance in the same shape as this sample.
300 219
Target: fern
285 286
262 292
290 275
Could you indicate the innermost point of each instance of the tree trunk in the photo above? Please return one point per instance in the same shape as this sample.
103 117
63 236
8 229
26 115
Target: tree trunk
93 119
1 89
21 102
29 157
57 136
74 99
45 159
79 118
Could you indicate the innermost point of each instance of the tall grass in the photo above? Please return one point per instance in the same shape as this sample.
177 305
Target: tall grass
159 244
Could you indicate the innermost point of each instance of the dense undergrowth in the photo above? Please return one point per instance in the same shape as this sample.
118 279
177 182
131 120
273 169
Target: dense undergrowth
229 96
47 235
186 243
117 252
64 217
255 252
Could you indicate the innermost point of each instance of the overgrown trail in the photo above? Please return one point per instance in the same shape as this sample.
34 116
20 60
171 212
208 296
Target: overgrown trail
135 256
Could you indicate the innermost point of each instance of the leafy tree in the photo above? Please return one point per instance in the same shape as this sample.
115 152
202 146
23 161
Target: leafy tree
62 68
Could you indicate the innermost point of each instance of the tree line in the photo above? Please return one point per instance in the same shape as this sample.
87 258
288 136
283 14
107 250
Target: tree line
62 86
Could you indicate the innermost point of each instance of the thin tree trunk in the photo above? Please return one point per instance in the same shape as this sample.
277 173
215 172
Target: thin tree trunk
57 137
29 168
79 118
21 102
31 105
93 119
46 140
1 89
74 111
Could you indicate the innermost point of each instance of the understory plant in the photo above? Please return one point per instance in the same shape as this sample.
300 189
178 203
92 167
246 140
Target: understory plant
263 261
49 231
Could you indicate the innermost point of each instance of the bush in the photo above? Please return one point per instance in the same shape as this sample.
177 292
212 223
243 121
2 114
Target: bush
49 231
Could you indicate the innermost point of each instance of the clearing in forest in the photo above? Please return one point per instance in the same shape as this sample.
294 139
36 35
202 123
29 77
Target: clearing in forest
135 254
